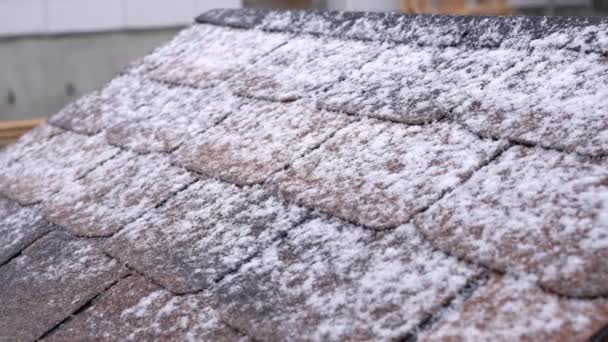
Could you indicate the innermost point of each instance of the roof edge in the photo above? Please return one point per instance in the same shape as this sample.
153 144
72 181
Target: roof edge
587 34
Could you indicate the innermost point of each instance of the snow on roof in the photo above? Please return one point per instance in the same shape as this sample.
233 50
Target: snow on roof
276 175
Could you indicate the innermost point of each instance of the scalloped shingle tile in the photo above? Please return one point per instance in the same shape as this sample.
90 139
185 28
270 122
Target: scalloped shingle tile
306 64
116 193
177 115
135 309
206 55
259 139
331 281
46 164
509 309
203 233
123 98
534 211
50 280
19 226
401 84
380 174
557 100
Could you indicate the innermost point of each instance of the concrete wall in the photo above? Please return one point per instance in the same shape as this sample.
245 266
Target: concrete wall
41 74
18 17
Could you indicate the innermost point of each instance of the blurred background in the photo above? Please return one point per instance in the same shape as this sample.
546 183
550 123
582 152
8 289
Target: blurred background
53 51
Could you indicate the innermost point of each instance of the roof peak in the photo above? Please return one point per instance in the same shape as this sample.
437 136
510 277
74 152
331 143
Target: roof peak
587 34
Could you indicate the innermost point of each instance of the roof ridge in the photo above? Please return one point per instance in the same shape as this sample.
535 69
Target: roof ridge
587 34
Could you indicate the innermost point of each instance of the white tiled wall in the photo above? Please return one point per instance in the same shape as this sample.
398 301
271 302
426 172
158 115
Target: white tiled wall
19 17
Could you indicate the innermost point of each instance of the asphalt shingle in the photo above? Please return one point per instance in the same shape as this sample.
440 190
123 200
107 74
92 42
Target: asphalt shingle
52 279
321 176
381 174
509 309
135 310
205 55
175 116
303 66
115 193
123 98
331 281
259 139
19 226
47 164
218 227
533 211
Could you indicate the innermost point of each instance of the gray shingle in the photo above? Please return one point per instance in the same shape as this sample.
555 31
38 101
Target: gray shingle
51 279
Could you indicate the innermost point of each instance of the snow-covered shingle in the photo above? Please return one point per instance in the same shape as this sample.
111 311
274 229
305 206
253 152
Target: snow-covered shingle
49 281
533 211
135 310
374 119
302 67
115 193
123 98
258 139
205 55
557 99
19 226
203 233
510 309
380 174
47 163
402 84
328 280
176 115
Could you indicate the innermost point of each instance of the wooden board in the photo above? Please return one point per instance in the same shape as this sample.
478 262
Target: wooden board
12 130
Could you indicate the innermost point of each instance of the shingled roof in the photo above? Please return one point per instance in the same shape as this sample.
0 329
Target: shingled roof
326 176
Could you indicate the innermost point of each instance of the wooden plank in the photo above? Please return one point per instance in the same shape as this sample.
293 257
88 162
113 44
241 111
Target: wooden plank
12 130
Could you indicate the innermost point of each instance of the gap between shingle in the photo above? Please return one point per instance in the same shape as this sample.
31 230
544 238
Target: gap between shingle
281 235
82 308
600 336
452 303
20 252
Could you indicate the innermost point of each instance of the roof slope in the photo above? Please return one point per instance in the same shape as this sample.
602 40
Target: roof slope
326 176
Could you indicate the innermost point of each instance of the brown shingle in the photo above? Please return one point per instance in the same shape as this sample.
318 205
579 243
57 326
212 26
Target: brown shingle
306 64
115 193
135 309
179 116
508 309
205 55
534 211
48 282
373 119
123 98
217 227
47 164
380 174
333 281
258 139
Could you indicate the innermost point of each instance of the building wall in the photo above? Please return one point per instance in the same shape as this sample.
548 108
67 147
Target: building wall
41 74
18 17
